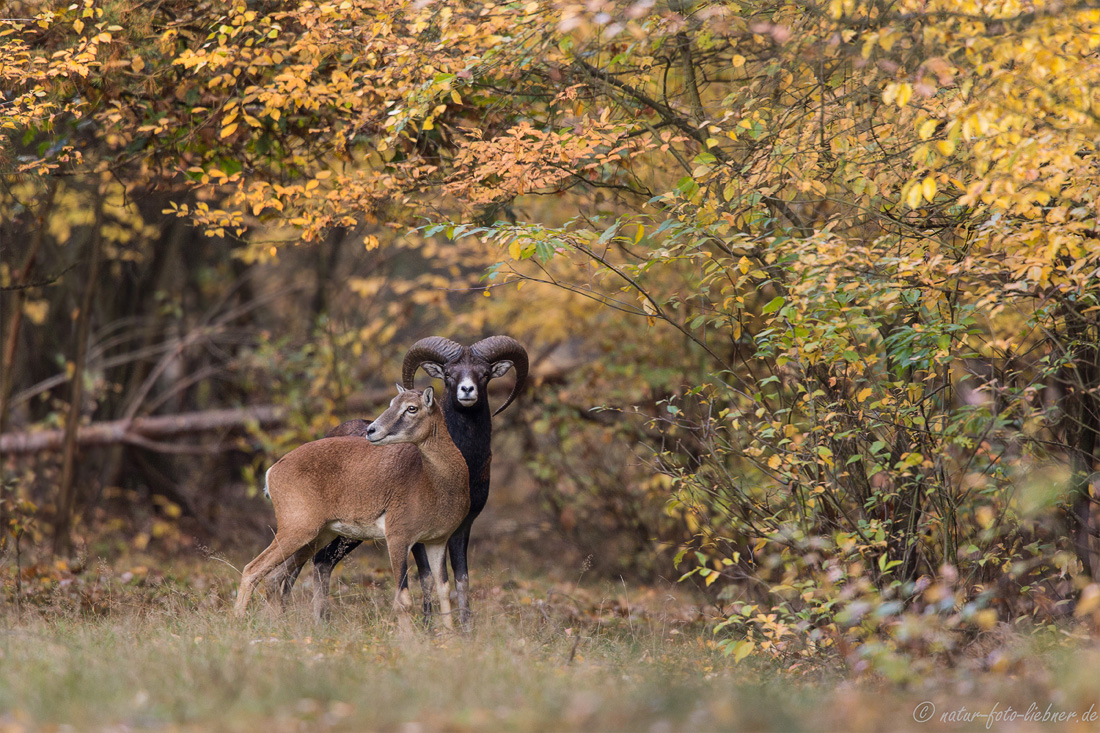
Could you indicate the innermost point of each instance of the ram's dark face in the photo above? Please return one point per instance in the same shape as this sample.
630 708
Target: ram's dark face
467 378
466 371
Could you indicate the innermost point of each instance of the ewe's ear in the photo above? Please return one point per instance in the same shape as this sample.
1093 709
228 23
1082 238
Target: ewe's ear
428 397
400 389
433 370
499 369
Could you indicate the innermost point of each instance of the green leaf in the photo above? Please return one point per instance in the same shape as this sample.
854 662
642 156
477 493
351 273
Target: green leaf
608 234
775 304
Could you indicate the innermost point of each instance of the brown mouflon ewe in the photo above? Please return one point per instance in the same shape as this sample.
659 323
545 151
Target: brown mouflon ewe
406 483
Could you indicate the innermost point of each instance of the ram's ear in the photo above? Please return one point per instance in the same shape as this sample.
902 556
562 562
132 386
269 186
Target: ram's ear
427 397
400 389
435 371
500 369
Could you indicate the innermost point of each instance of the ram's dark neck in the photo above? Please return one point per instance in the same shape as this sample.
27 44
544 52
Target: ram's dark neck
472 431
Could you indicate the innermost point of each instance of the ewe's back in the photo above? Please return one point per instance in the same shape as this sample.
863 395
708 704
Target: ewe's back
335 473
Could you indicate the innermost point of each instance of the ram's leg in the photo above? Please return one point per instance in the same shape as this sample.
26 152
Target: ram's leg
287 542
424 569
437 559
323 563
458 545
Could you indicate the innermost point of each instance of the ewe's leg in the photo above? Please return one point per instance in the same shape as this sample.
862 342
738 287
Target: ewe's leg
285 545
437 559
323 563
280 582
402 600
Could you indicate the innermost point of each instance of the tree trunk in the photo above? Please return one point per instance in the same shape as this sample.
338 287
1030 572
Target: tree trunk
15 317
66 502
1082 411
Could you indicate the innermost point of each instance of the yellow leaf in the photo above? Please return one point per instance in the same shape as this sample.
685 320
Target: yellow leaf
1089 600
229 130
429 124
456 97
78 26
515 250
905 93
864 394
913 197
137 63
36 311
744 265
927 129
712 577
275 114
928 188
743 649
986 619
641 233
775 462
738 61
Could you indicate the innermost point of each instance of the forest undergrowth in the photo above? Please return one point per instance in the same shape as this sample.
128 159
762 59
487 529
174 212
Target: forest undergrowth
123 645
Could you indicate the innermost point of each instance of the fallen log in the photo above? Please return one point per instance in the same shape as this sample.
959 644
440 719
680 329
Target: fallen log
145 430
150 431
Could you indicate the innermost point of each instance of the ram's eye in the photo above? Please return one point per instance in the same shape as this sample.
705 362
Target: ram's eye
411 408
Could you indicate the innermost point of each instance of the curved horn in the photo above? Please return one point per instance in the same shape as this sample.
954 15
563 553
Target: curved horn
498 348
433 348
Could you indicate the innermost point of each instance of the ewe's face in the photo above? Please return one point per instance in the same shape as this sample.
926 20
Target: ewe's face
406 419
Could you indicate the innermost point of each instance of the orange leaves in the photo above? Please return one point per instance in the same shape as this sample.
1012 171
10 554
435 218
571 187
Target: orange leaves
525 159
358 82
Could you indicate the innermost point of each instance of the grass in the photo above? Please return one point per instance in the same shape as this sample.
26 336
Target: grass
165 651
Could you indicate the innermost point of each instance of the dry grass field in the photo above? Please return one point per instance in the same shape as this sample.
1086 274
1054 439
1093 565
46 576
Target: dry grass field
123 648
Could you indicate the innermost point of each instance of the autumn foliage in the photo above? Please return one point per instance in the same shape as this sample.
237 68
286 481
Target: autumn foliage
845 256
